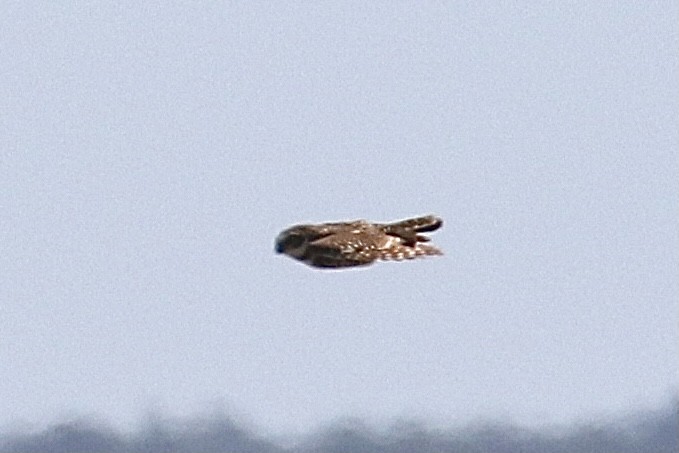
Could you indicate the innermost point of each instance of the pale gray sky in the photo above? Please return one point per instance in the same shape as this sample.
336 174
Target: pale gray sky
150 153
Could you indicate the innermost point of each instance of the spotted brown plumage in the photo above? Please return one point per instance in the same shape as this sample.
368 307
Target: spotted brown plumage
358 242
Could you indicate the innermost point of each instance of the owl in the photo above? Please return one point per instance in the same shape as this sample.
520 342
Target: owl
358 242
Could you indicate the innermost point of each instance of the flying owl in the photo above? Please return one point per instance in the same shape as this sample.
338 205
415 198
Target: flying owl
358 243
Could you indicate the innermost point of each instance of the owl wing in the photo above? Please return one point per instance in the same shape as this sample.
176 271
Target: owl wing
418 224
345 249
408 229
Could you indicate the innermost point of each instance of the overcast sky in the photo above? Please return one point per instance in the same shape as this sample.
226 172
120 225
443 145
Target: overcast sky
151 152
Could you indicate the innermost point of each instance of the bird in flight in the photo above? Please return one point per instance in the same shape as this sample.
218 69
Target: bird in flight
358 242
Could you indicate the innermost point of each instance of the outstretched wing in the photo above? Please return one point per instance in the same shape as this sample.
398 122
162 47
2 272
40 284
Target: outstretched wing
422 224
408 229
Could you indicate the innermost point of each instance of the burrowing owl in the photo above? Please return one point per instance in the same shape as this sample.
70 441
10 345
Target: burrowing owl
358 243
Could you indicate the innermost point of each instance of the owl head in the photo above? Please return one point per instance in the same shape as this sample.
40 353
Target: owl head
295 239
